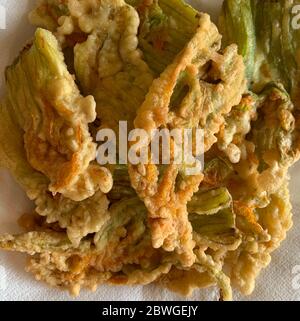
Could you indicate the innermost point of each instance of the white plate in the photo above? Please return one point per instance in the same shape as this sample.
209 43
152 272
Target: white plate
275 283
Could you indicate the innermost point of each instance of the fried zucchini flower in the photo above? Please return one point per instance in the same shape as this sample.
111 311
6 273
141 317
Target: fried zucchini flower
51 151
107 62
47 105
195 91
121 253
267 39
272 145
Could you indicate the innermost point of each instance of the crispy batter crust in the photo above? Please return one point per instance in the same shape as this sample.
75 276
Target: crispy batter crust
156 229
204 107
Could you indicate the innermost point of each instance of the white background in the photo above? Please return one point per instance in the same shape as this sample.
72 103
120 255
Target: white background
275 283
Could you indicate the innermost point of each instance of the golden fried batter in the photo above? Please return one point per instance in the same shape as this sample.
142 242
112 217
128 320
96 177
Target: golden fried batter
139 224
43 98
107 62
204 105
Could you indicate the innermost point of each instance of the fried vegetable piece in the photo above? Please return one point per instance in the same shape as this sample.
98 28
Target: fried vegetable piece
202 104
253 255
166 26
270 55
54 260
78 218
107 61
187 103
272 146
108 64
120 82
121 252
210 211
276 120
215 234
47 105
